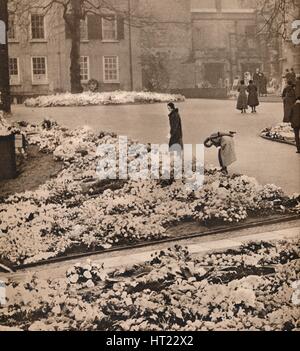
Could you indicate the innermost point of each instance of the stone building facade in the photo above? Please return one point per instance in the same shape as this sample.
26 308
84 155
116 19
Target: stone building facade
40 54
288 50
190 43
206 43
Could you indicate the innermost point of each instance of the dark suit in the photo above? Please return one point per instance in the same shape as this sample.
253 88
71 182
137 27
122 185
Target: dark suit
295 122
297 87
289 98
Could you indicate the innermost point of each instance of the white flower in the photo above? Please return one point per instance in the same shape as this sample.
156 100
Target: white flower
74 278
244 295
90 284
56 310
106 98
87 275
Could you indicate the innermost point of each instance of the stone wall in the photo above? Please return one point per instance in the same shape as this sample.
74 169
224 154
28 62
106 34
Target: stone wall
205 42
171 38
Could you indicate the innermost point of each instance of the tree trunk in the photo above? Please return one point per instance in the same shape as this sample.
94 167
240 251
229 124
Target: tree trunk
76 15
5 100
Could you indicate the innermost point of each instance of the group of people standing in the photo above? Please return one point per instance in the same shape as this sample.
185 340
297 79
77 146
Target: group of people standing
248 96
250 89
260 80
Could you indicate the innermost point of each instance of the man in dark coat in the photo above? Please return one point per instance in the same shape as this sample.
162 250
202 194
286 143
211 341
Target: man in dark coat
295 122
293 76
288 75
297 86
289 98
175 128
257 80
263 85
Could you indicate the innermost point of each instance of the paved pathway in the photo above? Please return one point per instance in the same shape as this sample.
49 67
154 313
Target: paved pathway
268 161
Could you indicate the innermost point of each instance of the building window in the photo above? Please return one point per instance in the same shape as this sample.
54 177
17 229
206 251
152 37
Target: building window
11 28
84 29
39 70
203 5
250 33
250 30
109 28
37 27
84 69
111 69
14 70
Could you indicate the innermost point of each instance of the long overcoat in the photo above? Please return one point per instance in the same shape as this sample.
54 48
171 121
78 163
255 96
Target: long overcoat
242 101
227 151
253 95
175 128
289 99
295 115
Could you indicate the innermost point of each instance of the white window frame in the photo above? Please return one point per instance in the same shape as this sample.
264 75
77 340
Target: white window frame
88 68
17 80
44 24
86 30
42 82
105 40
15 39
117 80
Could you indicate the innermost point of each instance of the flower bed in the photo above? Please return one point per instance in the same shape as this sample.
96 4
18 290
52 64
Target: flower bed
283 132
73 213
109 98
252 288
4 125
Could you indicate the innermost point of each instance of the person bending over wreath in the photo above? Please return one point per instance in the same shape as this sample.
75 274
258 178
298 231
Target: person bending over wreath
225 143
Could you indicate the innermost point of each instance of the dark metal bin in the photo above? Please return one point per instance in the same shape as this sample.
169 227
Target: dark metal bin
8 169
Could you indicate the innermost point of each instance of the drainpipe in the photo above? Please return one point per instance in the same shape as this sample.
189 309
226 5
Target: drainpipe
5 102
130 46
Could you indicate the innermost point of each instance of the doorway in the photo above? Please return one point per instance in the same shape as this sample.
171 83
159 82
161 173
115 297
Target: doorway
214 73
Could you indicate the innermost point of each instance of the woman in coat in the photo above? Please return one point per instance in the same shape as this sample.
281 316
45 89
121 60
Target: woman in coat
295 122
175 128
225 143
242 101
289 98
253 96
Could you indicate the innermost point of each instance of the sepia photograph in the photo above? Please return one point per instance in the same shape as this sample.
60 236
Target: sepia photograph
149 168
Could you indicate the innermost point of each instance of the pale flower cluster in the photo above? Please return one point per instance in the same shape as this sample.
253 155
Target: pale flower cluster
105 98
280 132
75 211
173 292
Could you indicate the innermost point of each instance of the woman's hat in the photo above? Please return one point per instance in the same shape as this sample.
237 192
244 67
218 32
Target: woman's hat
208 142
215 136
